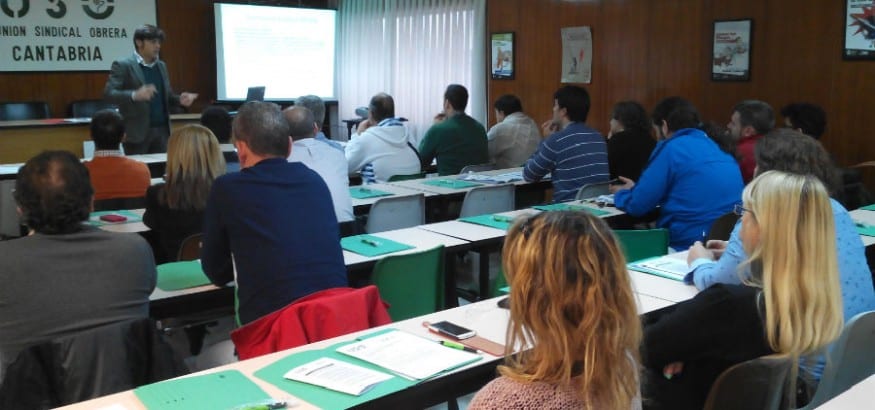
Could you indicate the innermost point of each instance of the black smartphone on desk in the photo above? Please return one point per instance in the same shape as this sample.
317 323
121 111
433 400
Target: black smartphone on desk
504 303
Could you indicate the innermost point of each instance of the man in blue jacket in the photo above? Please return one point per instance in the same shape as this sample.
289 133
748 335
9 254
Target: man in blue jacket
688 177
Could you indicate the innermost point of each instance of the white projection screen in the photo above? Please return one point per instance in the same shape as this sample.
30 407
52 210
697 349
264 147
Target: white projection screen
288 50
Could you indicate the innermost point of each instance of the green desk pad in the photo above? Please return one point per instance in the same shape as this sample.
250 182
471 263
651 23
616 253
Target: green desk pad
449 183
868 207
220 390
492 221
364 192
94 218
569 207
358 244
864 229
181 275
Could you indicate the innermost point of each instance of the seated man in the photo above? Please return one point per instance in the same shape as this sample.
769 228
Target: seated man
380 147
574 154
807 118
327 161
516 136
689 178
66 276
113 175
270 226
750 120
457 141
317 107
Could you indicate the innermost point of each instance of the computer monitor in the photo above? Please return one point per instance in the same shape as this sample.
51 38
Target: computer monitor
255 94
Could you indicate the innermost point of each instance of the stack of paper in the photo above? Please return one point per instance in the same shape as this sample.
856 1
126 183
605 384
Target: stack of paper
493 179
667 266
336 375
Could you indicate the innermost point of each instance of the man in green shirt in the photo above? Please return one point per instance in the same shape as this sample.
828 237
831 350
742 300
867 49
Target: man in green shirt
457 141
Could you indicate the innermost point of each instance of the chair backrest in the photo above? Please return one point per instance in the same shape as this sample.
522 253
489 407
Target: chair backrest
851 359
396 212
394 178
87 108
593 190
488 200
114 204
10 223
755 384
638 244
25 110
477 168
412 283
190 248
723 226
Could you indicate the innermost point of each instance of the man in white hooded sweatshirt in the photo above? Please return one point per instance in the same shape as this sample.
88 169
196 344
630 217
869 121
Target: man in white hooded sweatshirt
380 147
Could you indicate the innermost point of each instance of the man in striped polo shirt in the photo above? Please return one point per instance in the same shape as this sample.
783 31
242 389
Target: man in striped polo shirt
573 153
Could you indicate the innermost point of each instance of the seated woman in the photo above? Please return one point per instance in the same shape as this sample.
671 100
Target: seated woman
791 303
573 313
174 209
629 141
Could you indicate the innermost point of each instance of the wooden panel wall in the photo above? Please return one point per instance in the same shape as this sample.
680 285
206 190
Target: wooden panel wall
646 50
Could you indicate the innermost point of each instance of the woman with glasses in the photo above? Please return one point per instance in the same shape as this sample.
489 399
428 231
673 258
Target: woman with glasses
790 303
573 315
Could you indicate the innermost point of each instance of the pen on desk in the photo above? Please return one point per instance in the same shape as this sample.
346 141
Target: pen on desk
370 242
499 218
459 346
365 190
268 404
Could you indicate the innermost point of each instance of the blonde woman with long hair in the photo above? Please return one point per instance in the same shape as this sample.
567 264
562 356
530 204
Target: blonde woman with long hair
174 209
573 313
791 303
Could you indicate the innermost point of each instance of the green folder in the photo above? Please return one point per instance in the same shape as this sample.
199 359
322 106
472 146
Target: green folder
864 229
94 218
868 207
449 183
369 245
181 275
492 221
220 390
569 207
359 192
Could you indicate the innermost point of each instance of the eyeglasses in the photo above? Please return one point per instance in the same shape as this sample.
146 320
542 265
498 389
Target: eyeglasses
740 210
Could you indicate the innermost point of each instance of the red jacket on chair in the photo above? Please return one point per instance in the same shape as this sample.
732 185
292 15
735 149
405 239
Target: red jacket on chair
322 315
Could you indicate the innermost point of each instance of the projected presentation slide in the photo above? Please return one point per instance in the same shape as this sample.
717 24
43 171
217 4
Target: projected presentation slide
290 51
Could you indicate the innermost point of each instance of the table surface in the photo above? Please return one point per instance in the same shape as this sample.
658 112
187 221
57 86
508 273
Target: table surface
858 396
868 218
391 187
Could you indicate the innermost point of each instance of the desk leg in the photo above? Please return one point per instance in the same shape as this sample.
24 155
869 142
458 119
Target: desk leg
451 299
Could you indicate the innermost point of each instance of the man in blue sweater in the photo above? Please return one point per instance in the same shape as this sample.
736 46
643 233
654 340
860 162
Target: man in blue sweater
688 177
271 226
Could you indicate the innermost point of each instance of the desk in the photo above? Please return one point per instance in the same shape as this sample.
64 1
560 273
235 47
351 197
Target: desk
128 227
868 218
859 396
418 238
360 206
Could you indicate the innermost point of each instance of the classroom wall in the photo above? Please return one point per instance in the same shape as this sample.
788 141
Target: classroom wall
649 49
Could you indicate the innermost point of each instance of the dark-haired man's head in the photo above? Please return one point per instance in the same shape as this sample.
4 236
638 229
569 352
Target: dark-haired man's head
262 130
382 106
455 98
107 129
570 104
506 105
147 42
791 151
631 115
315 105
301 122
54 193
809 119
749 118
218 120
672 114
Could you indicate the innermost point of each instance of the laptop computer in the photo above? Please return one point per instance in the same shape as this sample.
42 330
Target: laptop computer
255 94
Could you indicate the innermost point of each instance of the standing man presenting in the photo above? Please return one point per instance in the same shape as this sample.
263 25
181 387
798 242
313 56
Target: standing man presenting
140 86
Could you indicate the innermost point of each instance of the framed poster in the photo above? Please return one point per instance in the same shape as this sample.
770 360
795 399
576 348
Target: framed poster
502 56
731 50
859 30
576 55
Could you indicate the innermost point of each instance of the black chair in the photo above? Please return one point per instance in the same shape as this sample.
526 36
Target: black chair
87 108
755 384
722 227
24 110
115 204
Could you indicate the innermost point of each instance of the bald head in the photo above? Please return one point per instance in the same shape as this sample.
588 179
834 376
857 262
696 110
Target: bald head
302 124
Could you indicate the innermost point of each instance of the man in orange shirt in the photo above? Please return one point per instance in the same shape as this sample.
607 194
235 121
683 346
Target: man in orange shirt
113 175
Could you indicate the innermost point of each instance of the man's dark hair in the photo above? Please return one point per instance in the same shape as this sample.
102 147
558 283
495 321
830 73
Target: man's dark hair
262 127
300 121
315 105
457 95
148 32
791 151
575 100
382 106
508 104
632 115
756 114
809 118
107 129
218 120
677 113
54 193
720 135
